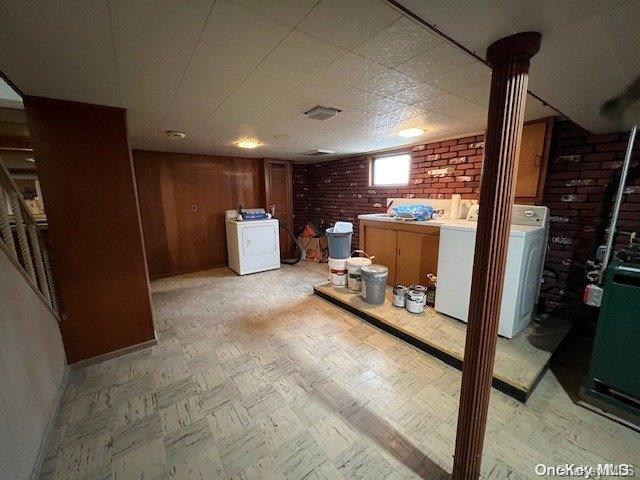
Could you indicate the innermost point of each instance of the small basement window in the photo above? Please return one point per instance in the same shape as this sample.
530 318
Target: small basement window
390 170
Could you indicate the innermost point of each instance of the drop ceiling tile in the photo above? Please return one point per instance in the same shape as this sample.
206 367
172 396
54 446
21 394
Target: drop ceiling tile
472 74
305 52
286 11
264 86
477 93
594 72
353 97
524 15
456 107
621 28
348 23
436 61
59 50
577 10
399 42
238 28
212 75
463 20
321 88
388 82
417 93
352 69
152 60
535 109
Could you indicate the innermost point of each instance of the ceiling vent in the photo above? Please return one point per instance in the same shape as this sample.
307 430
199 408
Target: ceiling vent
322 113
317 153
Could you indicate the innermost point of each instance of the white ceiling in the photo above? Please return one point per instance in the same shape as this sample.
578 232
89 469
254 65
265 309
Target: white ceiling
590 49
227 70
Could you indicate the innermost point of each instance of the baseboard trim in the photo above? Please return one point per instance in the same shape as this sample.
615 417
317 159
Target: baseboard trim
116 353
51 424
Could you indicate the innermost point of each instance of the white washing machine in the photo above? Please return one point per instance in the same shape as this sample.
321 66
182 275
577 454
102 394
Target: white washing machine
252 245
525 260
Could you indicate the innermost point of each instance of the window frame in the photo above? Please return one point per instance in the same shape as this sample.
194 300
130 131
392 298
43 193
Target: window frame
372 160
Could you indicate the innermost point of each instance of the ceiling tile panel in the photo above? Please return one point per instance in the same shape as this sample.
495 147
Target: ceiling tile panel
151 61
348 23
436 61
388 82
352 70
305 52
286 11
397 43
594 70
60 50
621 29
264 86
246 31
212 75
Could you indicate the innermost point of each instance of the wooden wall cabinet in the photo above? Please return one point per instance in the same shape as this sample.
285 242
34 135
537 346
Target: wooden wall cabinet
532 161
409 251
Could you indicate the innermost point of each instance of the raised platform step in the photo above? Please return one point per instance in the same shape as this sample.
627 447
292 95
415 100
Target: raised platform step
520 362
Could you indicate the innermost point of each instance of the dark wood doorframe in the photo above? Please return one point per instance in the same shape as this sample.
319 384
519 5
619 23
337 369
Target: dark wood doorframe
284 213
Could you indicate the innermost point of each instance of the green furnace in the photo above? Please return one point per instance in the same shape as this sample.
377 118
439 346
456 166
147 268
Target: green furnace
614 371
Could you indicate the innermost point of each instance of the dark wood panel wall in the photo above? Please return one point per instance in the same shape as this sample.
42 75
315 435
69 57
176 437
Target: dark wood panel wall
87 179
182 202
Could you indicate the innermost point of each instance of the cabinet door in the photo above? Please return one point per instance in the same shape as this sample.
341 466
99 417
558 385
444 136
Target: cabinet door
532 160
382 243
417 255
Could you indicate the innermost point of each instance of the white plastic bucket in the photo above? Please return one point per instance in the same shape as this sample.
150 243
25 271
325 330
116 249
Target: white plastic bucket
354 266
338 272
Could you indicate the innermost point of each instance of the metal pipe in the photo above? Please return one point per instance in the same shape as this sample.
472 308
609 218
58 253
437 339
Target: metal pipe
616 208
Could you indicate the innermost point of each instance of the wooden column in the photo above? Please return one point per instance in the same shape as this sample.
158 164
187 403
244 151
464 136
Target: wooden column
509 59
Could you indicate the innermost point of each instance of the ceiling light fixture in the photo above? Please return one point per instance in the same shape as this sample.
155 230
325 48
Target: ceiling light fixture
176 135
411 132
247 144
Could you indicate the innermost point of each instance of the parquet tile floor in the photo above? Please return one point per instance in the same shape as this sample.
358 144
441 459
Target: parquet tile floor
256 378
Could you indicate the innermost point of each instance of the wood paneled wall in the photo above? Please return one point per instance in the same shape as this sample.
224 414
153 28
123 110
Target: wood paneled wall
182 203
86 174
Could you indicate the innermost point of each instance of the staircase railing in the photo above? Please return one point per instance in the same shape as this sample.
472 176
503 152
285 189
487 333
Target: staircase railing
23 242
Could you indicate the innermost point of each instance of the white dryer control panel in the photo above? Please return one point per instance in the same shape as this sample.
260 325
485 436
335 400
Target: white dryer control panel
530 215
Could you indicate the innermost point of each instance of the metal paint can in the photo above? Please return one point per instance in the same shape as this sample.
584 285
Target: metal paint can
416 300
399 294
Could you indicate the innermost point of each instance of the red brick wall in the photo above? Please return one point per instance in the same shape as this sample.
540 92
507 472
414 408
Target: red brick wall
581 185
339 189
583 179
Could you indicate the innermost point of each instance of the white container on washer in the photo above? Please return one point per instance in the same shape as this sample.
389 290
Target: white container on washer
415 301
338 272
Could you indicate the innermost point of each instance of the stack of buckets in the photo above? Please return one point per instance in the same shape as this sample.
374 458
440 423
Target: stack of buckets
356 273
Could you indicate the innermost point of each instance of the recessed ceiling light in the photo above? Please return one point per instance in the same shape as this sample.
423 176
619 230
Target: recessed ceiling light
411 132
248 144
176 135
